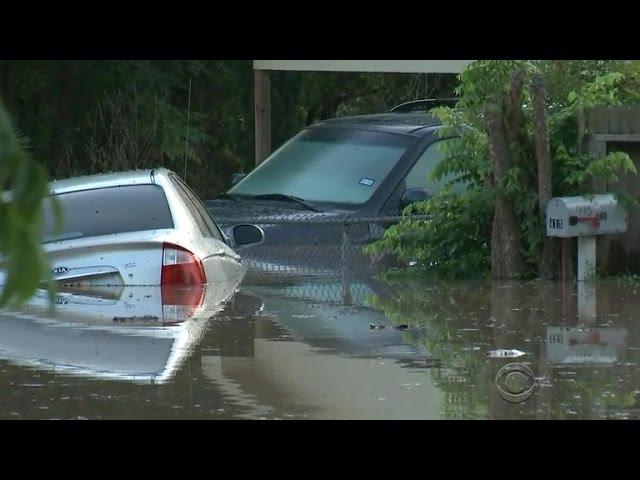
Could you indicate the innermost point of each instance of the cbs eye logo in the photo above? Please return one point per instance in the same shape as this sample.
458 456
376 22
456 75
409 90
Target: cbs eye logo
515 383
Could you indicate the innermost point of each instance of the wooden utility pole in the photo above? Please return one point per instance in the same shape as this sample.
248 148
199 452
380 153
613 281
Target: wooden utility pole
262 103
567 260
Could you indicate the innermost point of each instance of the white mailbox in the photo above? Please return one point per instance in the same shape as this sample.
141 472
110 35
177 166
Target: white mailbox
585 216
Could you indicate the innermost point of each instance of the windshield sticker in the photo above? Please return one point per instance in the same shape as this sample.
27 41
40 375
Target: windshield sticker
366 181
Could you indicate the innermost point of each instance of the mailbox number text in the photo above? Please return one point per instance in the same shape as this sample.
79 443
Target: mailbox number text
555 223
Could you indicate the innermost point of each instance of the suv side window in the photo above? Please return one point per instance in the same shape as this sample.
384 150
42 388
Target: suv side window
207 226
420 175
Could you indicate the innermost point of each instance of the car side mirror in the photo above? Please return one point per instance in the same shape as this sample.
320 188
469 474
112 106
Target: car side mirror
413 195
236 177
244 235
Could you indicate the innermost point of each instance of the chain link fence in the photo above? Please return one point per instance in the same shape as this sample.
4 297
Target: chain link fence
311 244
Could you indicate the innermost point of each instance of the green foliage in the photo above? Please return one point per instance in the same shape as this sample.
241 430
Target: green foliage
627 279
456 239
572 86
603 90
606 168
23 185
74 112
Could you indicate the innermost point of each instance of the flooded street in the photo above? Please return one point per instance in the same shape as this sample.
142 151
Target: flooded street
309 350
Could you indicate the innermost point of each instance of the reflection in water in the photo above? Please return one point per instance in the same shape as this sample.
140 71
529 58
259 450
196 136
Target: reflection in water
583 371
575 345
138 334
296 351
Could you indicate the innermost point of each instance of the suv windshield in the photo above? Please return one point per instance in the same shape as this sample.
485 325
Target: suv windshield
343 166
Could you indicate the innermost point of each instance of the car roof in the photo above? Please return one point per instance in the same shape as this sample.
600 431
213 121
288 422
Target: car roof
104 180
416 124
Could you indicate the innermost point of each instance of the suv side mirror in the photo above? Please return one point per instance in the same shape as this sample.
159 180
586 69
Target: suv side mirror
244 235
413 195
236 177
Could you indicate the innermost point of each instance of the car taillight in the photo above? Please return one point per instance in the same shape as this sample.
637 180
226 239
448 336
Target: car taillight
180 267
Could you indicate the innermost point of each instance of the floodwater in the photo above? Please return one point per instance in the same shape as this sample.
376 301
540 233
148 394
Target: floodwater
309 350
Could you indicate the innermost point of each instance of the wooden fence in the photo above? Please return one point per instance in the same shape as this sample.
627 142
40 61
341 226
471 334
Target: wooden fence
605 130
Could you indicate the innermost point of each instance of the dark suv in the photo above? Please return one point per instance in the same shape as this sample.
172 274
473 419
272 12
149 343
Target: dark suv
330 183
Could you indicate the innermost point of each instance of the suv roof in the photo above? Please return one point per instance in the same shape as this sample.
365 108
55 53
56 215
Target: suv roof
405 123
424 105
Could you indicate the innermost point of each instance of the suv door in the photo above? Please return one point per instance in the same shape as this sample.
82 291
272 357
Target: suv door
420 174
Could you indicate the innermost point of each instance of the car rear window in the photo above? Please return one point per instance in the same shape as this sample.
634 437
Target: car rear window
104 211
203 219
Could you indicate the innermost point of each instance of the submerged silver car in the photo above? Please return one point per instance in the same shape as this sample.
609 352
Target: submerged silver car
143 227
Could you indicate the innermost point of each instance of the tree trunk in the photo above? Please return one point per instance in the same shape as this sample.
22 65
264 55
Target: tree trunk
547 265
506 262
514 118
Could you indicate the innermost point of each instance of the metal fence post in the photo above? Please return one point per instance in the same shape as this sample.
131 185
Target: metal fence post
346 282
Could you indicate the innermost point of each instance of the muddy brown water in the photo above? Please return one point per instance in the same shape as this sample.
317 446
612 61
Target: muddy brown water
300 351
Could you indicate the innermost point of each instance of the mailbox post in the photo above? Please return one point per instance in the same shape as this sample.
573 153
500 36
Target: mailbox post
585 217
